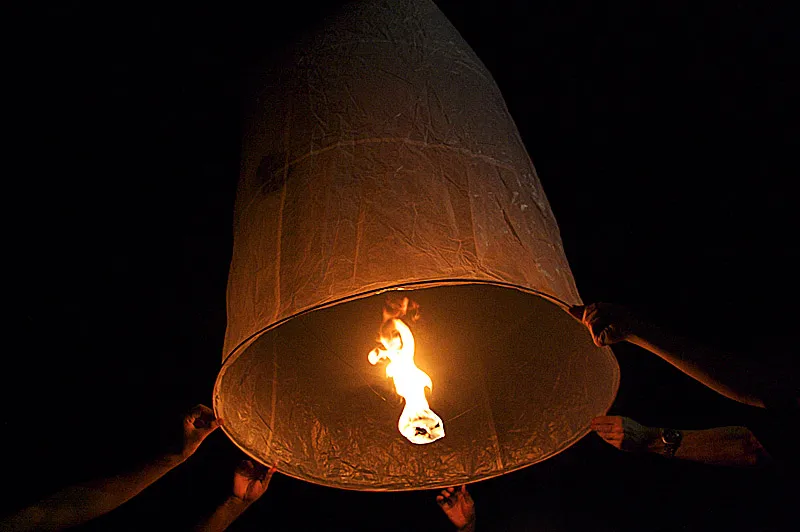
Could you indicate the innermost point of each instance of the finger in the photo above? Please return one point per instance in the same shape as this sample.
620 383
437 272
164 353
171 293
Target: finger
604 338
260 471
200 416
591 313
202 432
610 433
609 429
577 312
606 423
596 319
614 443
207 416
604 430
607 419
609 436
193 413
598 328
200 411
268 475
245 468
609 335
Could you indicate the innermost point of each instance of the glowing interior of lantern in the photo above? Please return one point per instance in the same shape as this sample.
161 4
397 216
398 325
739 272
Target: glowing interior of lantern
418 423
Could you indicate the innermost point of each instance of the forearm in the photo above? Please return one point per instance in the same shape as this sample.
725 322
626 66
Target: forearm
224 515
723 446
78 504
720 371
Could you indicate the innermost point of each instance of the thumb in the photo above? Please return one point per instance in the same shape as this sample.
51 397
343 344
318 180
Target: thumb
604 338
272 469
204 432
577 312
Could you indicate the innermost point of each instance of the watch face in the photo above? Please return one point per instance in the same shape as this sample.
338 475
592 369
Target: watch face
671 436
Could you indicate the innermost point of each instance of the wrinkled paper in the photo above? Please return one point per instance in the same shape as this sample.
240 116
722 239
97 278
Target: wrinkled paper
380 155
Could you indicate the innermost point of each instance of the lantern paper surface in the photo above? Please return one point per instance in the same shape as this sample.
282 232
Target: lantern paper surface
381 156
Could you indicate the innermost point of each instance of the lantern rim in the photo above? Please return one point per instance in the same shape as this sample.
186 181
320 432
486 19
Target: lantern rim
415 285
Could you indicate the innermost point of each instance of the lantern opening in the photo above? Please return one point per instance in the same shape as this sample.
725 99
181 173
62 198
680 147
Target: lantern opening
517 380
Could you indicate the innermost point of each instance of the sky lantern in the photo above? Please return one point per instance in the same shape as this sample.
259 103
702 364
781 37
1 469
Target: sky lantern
398 288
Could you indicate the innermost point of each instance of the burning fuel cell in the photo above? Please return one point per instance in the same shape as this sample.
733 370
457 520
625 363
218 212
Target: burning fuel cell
418 423
379 158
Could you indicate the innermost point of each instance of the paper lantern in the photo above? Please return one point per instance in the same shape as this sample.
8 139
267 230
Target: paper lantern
381 157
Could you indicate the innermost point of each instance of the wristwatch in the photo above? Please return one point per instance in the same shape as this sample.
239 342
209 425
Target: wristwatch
672 440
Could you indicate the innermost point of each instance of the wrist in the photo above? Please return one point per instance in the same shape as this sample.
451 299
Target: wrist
644 333
187 450
667 442
173 459
638 331
652 441
235 501
469 526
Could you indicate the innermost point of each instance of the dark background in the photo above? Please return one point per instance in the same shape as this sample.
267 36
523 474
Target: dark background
664 135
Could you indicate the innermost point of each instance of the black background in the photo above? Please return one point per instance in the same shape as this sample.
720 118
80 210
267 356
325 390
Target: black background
664 134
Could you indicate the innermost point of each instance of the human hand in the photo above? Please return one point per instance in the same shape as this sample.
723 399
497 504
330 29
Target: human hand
250 480
625 434
198 423
607 323
457 505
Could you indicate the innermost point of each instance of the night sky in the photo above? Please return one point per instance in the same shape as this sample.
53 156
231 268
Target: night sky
665 137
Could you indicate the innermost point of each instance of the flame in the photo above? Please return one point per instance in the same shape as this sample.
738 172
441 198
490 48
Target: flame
418 423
